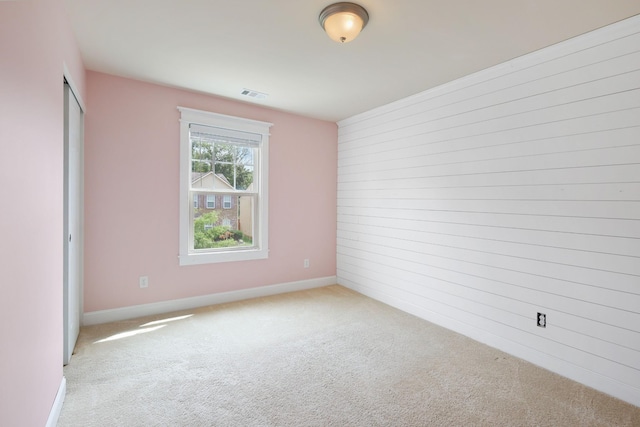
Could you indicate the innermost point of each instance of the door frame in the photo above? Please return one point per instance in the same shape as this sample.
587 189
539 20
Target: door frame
68 80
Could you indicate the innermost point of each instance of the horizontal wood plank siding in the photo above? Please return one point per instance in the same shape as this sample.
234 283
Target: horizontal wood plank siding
512 191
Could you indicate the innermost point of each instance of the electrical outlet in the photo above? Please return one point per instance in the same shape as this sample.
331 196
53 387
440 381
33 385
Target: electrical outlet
542 320
144 281
306 263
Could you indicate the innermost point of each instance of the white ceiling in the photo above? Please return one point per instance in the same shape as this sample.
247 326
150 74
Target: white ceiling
277 46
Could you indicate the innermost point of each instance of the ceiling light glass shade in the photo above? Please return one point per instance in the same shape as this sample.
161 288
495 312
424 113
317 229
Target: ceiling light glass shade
343 21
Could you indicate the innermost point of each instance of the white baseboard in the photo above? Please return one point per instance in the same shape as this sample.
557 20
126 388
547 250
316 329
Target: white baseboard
56 409
564 368
132 312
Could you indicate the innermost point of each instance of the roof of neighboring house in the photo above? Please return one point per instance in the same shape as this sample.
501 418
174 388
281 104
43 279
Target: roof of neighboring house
203 176
224 178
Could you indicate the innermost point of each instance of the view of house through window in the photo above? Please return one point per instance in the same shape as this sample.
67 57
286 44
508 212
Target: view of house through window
222 178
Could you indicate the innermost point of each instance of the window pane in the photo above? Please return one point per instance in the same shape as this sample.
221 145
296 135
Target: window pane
244 176
224 176
244 167
224 159
201 156
224 228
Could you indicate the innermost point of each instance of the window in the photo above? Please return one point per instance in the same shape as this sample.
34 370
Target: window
227 157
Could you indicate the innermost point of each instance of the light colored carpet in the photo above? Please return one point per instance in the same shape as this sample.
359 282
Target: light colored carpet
324 357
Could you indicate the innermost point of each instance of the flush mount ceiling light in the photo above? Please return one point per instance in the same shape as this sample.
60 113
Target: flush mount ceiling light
343 21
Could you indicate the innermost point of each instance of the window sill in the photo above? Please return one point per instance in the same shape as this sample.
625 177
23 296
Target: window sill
230 256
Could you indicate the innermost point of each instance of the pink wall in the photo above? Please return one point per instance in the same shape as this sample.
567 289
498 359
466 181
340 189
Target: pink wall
35 39
131 197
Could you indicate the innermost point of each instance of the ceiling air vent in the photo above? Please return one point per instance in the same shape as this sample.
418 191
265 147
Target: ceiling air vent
253 94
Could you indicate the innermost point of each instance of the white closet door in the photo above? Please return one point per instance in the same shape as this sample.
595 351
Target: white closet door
72 221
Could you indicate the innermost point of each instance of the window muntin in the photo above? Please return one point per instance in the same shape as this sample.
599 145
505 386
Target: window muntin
225 157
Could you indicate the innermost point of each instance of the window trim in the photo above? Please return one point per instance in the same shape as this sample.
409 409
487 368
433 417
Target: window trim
227 199
187 256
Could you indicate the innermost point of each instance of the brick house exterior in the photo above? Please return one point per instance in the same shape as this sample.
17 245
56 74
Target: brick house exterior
225 205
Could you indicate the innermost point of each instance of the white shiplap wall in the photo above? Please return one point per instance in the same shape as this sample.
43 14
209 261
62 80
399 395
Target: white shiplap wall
512 191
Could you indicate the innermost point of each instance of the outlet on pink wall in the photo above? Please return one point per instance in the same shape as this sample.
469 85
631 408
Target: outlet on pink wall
131 197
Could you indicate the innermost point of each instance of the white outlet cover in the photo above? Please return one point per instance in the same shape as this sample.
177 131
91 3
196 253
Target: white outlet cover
144 281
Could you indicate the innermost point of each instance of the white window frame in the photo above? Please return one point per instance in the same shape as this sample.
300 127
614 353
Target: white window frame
227 202
260 249
210 202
